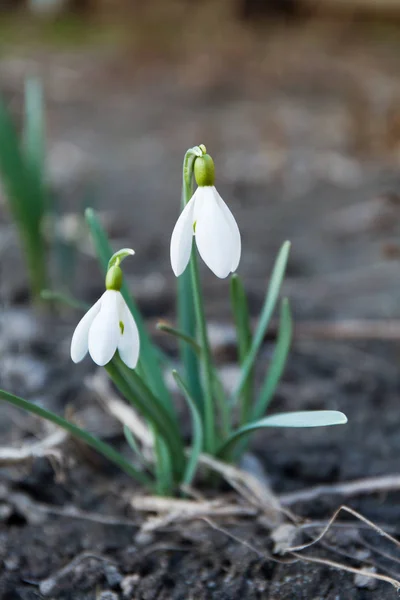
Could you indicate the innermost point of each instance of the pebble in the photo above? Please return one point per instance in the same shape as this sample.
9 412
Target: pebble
107 595
128 585
112 575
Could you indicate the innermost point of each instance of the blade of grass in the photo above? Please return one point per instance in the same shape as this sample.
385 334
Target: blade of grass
130 438
34 133
26 198
163 467
271 298
197 432
241 318
302 419
85 436
54 296
149 362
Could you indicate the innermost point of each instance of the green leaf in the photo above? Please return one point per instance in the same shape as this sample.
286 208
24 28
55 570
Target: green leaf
130 438
197 432
164 467
34 134
278 361
85 436
241 317
181 336
149 358
271 298
135 390
312 418
54 296
26 198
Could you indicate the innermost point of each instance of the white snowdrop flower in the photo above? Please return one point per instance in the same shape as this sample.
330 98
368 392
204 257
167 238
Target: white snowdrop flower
207 217
107 327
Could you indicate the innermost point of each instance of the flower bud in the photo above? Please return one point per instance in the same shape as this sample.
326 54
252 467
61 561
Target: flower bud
114 278
204 171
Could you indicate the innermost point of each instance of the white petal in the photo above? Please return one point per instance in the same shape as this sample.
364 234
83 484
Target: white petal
236 240
104 332
79 342
213 233
182 238
129 342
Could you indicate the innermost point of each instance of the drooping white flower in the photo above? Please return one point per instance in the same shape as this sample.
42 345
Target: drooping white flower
207 217
107 327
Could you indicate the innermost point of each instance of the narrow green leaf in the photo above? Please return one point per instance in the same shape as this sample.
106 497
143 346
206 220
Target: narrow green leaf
181 336
130 438
271 298
54 296
302 419
197 431
135 390
241 318
85 436
278 361
26 197
34 134
149 360
163 467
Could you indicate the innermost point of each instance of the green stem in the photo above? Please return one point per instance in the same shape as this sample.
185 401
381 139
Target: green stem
208 409
79 433
186 314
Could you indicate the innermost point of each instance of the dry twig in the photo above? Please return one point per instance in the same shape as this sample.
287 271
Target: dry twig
48 447
371 485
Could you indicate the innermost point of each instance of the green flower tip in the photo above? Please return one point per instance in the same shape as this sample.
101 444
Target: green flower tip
204 171
114 279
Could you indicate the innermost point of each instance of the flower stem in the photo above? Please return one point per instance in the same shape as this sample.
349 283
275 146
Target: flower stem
208 409
186 313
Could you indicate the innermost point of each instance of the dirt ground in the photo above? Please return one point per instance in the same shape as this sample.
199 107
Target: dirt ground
304 127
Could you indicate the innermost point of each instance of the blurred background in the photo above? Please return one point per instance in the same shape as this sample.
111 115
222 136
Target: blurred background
296 100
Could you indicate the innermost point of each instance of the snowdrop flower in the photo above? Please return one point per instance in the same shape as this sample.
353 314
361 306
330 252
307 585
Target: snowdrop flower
107 327
207 217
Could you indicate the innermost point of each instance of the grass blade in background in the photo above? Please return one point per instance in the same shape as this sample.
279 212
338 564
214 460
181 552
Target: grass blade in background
149 361
34 128
24 189
241 318
270 301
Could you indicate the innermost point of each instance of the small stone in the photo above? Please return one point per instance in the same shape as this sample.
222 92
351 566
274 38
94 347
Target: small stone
107 595
112 575
129 584
5 511
362 580
12 562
